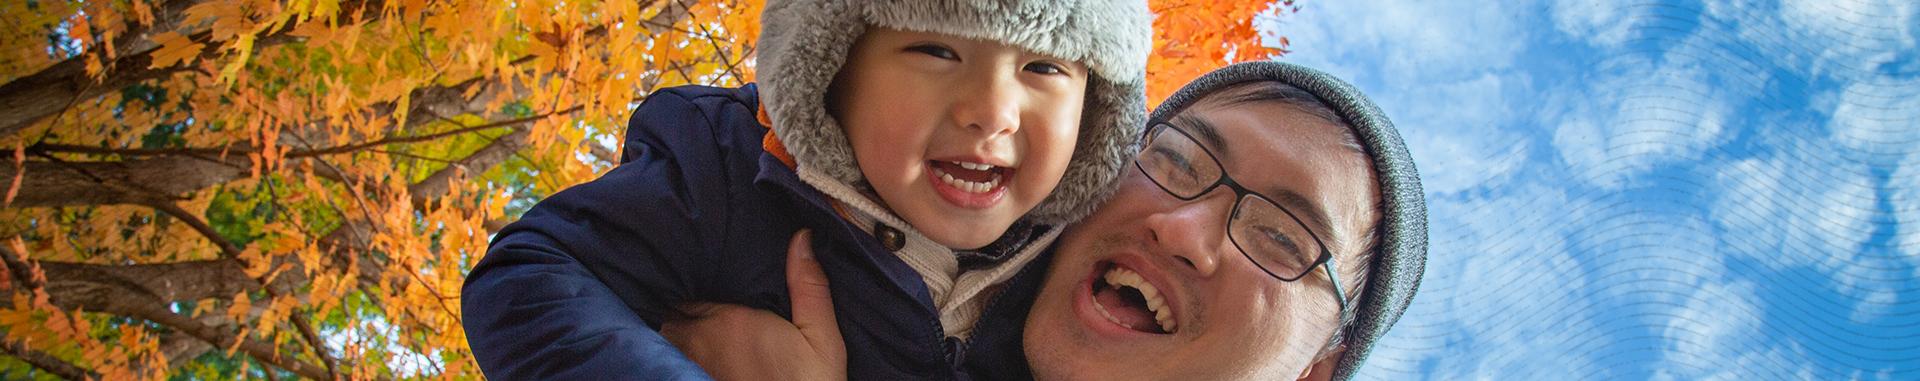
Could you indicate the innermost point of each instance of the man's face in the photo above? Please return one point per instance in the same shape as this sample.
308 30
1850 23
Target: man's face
1228 318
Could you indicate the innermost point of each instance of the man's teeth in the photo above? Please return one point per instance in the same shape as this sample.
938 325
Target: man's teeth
970 186
1119 276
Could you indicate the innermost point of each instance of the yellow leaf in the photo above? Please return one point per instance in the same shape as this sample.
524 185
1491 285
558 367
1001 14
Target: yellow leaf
325 9
243 49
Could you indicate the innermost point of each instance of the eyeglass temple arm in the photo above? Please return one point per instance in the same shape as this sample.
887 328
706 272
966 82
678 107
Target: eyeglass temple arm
1338 294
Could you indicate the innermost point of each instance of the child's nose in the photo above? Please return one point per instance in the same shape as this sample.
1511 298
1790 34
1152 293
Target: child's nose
991 106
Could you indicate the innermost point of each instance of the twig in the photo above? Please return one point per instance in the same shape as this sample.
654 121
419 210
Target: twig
227 248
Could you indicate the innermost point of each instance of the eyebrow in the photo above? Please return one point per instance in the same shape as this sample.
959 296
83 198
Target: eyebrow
1315 218
1209 134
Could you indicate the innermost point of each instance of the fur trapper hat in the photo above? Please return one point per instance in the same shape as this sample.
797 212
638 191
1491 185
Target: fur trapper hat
803 44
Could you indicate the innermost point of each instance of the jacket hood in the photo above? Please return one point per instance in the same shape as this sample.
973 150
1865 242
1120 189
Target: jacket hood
1400 258
803 44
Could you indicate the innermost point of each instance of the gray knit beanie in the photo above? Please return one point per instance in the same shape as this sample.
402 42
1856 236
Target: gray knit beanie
1401 255
803 43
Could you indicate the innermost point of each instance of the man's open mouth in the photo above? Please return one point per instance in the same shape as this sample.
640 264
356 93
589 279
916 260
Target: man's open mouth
1125 298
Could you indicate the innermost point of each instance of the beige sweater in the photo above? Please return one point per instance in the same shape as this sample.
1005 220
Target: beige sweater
959 296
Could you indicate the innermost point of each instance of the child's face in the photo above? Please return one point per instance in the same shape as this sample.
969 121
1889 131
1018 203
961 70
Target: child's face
959 137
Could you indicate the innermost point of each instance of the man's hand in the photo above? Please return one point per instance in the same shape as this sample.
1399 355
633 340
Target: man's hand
738 343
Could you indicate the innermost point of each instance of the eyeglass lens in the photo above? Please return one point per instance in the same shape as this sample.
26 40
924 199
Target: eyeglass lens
1262 230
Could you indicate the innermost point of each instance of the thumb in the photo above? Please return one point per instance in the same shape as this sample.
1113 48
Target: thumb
812 301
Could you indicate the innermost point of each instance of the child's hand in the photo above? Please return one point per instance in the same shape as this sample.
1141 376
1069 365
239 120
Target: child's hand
734 342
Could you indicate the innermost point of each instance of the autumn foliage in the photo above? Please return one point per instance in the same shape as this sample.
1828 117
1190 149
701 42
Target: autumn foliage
241 188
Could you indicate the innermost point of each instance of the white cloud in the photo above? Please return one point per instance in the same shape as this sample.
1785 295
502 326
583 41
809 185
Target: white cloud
1863 32
1904 184
1807 203
1875 303
1499 288
1715 335
1442 71
1794 206
1456 143
1601 23
1524 273
1646 253
1452 163
1846 39
1408 38
1640 115
1877 116
1715 318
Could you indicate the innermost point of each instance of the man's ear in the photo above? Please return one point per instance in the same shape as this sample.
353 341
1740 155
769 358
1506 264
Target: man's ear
1322 369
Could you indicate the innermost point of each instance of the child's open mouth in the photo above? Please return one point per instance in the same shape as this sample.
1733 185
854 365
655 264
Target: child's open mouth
968 184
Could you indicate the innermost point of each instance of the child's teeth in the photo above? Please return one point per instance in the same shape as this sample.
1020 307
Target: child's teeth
973 166
969 186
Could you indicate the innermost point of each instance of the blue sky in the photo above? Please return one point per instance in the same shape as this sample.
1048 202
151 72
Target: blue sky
1649 189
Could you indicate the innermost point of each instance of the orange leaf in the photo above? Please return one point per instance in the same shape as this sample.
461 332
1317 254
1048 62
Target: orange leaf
19 170
174 48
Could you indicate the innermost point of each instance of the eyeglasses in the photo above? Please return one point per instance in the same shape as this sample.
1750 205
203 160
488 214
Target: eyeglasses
1267 234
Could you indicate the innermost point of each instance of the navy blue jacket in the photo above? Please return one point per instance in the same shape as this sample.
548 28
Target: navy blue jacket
698 211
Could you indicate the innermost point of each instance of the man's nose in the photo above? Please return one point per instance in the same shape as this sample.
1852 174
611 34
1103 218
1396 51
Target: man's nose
990 105
1194 232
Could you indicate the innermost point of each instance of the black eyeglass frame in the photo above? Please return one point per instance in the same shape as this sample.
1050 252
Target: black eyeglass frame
1325 260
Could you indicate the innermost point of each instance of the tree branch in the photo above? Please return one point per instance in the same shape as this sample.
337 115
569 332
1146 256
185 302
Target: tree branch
181 349
436 184
128 297
301 324
50 184
48 92
232 255
599 152
227 249
22 272
46 362
36 97
119 301
177 171
179 281
446 99
355 234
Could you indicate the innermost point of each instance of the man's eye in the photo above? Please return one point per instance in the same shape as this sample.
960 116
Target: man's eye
1178 165
1274 240
1044 68
938 51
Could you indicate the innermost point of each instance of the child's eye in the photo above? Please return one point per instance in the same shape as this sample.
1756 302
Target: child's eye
1044 68
935 50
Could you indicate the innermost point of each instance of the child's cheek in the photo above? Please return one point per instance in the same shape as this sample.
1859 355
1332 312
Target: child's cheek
1052 142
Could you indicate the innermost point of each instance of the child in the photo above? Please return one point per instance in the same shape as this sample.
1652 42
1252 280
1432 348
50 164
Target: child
932 147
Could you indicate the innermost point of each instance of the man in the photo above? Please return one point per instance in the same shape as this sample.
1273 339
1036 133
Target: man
1272 228
1260 220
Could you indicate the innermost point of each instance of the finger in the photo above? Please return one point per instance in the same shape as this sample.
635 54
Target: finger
812 301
